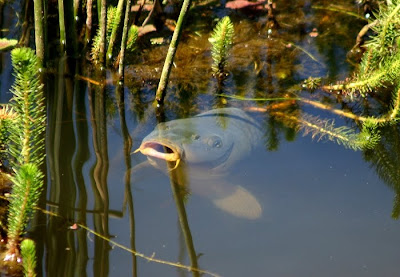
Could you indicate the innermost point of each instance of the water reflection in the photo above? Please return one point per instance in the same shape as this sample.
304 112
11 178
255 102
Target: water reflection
385 160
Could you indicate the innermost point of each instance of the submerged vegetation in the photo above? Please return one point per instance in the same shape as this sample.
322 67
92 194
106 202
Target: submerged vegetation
279 96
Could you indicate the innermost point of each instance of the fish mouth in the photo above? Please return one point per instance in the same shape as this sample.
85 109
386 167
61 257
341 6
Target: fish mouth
161 150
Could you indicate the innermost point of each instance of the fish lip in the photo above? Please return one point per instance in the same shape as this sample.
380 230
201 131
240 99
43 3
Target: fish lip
150 149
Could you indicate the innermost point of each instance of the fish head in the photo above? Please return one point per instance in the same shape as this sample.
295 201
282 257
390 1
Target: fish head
192 141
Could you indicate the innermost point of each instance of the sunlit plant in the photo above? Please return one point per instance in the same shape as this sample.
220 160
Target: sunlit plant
26 141
221 41
28 253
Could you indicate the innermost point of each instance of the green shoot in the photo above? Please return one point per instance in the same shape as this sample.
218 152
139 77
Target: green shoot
221 41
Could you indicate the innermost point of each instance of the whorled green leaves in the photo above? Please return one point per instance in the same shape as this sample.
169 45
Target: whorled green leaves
28 103
221 41
28 253
27 186
26 143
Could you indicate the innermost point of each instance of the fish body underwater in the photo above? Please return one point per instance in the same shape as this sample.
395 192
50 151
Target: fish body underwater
203 149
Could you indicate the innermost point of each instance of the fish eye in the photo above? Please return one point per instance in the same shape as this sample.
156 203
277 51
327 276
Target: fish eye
214 142
195 137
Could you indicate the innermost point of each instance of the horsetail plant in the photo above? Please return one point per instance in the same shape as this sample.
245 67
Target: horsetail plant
221 41
26 145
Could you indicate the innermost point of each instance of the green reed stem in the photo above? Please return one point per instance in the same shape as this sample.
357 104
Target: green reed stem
39 32
124 39
103 29
89 16
116 23
61 19
162 85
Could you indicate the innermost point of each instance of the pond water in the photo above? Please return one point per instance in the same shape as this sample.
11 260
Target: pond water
326 210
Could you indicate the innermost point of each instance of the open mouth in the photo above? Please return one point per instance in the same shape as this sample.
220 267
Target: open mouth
160 151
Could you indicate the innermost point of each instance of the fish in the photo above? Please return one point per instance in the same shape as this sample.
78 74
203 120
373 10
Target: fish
205 147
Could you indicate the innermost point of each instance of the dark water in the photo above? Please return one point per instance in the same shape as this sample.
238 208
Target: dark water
326 209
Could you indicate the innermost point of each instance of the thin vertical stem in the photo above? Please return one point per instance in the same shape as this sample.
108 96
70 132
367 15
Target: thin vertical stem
103 22
115 29
124 39
89 16
76 8
61 19
39 32
162 85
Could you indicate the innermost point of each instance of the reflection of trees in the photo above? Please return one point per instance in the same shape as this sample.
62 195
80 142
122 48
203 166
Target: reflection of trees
385 159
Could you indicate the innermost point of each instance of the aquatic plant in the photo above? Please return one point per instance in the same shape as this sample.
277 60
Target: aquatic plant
114 25
133 35
39 29
96 47
380 64
128 39
325 129
26 145
28 103
28 253
221 41
114 17
169 59
27 186
7 117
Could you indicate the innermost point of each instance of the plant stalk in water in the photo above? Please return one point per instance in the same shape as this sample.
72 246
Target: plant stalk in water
103 27
162 85
124 39
61 20
39 31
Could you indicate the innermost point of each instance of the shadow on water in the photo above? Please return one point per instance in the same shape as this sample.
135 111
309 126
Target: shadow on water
324 211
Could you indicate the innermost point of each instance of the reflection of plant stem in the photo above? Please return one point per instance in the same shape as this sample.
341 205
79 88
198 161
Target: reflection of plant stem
100 172
162 86
177 193
80 157
138 254
127 177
